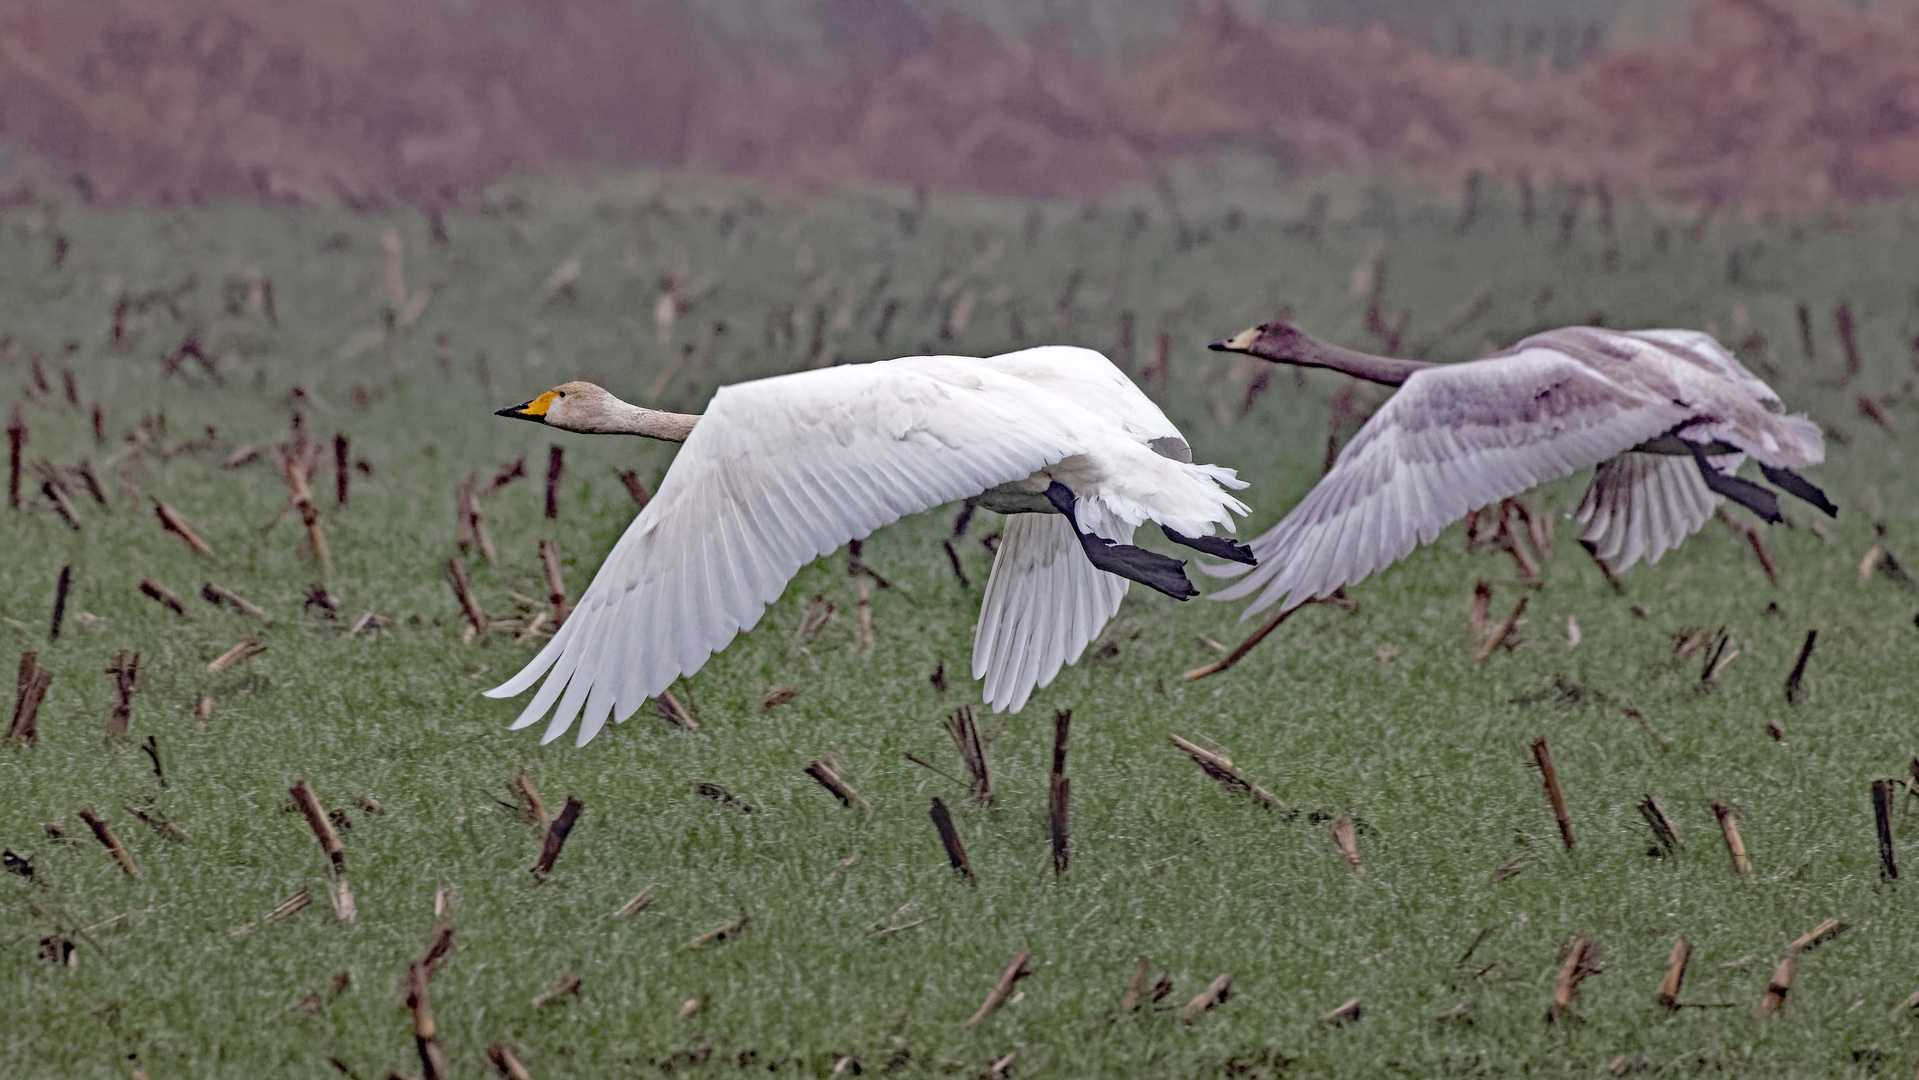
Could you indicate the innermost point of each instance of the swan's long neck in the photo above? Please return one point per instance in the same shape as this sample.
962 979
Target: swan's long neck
1283 343
1380 369
623 418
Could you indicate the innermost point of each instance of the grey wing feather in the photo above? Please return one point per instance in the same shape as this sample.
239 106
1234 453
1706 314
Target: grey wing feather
1640 506
1452 439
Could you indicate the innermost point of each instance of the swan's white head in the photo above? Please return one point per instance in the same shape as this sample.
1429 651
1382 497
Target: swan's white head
574 406
592 409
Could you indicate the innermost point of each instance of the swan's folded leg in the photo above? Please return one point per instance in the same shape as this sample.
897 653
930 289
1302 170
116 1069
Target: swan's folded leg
1149 568
1220 546
1793 484
1744 492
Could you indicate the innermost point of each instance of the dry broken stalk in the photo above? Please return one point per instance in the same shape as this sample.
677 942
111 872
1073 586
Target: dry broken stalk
830 780
1675 976
1014 971
1215 994
1345 1013
164 596
1239 651
1543 758
1663 829
1222 769
30 690
675 713
425 1034
214 594
1129 1001
1735 847
1753 539
60 590
322 827
863 589
555 465
1515 541
1573 971
949 839
565 985
535 807
464 592
1818 935
556 835
289 906
437 947
1781 983
172 522
1476 614
963 726
1799 667
505 1060
1059 794
243 651
125 670
636 905
634 488
508 473
1503 630
1344 839
472 524
342 470
1882 824
721 933
555 585
104 833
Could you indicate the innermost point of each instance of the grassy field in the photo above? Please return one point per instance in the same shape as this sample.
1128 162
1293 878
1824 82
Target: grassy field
1380 714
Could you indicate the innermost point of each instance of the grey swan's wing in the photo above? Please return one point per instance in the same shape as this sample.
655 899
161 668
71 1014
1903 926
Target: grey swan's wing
1452 439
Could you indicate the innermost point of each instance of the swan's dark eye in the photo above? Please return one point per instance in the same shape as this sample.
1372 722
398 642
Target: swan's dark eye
1773 406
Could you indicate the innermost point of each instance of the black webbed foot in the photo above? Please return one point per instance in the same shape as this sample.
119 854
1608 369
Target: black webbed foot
1217 546
1793 484
1151 569
1753 497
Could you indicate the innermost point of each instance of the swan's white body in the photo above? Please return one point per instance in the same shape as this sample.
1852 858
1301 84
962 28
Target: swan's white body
781 471
1456 437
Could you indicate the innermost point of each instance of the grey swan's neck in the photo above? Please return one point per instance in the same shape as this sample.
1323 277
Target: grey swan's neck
1283 343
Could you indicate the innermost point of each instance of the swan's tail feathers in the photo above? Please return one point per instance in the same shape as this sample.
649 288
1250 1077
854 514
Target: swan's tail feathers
1045 602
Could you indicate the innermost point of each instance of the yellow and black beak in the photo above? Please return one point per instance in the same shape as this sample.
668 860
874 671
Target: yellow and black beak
534 410
1240 342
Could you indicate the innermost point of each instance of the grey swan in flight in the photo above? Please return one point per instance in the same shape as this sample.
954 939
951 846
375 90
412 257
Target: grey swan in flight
1666 416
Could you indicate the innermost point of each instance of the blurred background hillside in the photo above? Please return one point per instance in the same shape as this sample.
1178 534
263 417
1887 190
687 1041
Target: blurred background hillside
1767 105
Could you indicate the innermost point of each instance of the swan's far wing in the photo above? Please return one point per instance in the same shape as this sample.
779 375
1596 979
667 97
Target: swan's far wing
1640 506
777 473
1044 604
1453 438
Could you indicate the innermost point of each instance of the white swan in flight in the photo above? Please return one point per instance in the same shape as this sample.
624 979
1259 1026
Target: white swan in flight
1666 416
781 471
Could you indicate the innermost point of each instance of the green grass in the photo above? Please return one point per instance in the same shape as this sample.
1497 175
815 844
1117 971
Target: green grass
1380 714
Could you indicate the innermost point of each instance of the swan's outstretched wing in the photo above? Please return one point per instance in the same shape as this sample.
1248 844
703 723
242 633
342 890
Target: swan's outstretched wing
1044 603
1640 506
779 472
1453 438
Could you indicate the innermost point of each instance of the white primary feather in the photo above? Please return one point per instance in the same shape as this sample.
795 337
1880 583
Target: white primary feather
1044 604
